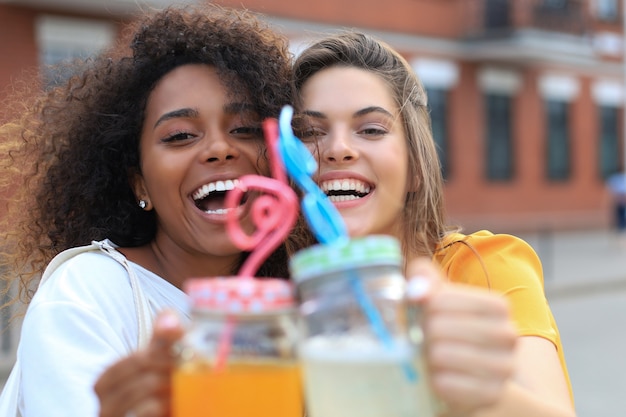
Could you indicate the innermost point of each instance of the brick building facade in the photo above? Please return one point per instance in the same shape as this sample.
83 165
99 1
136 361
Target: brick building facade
526 95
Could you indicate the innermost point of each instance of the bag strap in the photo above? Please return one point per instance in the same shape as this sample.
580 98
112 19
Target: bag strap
9 399
142 308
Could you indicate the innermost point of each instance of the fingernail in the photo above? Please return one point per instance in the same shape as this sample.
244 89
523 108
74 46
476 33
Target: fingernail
417 287
169 320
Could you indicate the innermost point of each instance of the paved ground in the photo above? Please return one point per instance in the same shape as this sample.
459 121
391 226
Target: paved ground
593 331
585 274
581 261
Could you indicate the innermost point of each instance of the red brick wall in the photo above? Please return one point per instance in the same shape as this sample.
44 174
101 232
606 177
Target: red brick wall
18 52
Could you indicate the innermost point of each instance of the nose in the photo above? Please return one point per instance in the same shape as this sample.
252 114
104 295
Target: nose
338 147
218 148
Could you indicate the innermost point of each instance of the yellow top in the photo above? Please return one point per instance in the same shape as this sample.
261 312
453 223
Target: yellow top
508 265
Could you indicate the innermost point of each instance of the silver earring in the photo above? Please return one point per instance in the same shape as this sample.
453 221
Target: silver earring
143 204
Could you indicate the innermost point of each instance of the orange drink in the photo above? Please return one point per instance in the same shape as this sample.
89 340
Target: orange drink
238 357
260 388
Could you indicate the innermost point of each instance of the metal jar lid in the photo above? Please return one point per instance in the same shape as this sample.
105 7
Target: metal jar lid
375 250
239 295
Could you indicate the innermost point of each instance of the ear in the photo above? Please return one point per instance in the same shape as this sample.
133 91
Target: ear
138 185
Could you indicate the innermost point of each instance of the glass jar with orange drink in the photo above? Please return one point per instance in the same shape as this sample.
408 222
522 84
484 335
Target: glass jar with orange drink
238 358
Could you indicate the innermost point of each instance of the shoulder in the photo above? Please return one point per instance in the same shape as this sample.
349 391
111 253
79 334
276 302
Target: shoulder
87 300
84 277
485 243
485 258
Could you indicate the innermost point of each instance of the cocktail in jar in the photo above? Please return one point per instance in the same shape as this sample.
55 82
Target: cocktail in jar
238 359
360 349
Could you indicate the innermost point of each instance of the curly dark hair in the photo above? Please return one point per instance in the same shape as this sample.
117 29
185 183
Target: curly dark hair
74 147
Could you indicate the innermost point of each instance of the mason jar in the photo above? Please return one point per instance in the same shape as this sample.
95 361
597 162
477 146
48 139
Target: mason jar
238 357
360 342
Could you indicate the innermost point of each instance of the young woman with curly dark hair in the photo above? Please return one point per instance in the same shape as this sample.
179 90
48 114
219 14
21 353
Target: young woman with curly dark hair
127 153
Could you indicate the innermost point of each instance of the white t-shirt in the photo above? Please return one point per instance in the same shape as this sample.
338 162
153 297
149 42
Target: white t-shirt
79 322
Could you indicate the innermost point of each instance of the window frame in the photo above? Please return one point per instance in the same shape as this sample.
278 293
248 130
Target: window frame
499 144
558 155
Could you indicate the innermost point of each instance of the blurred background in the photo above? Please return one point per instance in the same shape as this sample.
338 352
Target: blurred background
526 100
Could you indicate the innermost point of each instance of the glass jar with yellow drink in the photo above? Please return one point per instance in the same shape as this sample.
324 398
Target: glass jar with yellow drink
361 342
238 358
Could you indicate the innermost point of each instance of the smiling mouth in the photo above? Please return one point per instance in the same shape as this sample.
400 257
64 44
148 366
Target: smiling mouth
210 198
345 189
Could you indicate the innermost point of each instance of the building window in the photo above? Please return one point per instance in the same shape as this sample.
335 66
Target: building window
609 152
62 39
607 10
499 139
554 4
558 147
497 14
438 107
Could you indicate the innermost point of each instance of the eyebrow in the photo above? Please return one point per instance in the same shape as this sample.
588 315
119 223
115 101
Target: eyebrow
179 113
359 113
189 113
372 109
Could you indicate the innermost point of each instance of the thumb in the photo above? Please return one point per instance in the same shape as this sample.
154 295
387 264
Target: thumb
167 330
423 278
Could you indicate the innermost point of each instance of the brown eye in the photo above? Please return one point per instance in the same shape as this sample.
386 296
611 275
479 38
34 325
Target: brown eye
247 132
178 136
310 134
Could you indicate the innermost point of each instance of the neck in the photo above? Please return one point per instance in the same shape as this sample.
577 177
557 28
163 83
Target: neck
175 264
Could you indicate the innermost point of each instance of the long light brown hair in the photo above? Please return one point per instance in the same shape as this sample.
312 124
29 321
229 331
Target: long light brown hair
423 215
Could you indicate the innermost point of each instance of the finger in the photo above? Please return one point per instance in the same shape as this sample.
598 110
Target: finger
117 373
466 300
462 394
167 330
424 277
471 361
144 385
152 407
479 331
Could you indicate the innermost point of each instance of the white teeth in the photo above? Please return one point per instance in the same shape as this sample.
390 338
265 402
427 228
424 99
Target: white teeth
207 189
218 211
345 185
337 198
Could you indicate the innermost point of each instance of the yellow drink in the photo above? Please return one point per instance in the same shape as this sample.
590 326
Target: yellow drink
242 389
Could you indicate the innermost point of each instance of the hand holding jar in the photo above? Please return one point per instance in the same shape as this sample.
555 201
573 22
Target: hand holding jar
469 339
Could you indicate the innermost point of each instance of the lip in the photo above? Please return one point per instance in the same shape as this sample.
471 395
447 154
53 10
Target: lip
335 175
